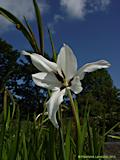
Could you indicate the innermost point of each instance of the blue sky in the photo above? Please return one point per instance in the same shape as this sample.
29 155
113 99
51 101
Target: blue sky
90 27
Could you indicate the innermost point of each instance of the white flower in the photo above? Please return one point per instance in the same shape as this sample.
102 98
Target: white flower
61 76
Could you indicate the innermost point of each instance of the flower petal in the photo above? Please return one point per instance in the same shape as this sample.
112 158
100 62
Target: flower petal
66 62
46 80
76 85
53 105
41 63
90 67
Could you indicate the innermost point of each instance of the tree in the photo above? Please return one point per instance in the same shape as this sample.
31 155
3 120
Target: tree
101 94
16 76
8 59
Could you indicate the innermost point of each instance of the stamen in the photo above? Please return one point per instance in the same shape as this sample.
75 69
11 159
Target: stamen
63 73
70 81
59 77
62 87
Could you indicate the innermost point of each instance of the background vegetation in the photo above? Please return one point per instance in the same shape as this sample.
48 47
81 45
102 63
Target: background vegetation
15 75
22 137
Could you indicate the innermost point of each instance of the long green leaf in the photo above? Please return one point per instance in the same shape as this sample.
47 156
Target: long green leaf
115 137
2 135
68 140
84 130
3 130
13 102
5 105
24 147
52 45
15 145
61 136
90 139
74 105
117 124
8 117
39 24
13 111
79 131
19 25
52 146
32 35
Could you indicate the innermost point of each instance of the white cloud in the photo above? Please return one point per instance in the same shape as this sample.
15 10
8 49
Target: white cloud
74 8
56 19
104 4
98 5
20 8
79 8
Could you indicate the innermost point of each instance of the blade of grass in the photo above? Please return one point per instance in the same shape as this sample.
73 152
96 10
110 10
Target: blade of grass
3 130
52 144
13 102
32 35
42 143
61 136
115 137
2 134
102 138
24 147
5 105
90 139
68 140
77 120
8 118
19 25
40 27
52 45
84 128
14 148
13 111
73 145
96 139
112 128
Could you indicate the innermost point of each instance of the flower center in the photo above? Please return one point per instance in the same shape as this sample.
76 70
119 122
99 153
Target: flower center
65 83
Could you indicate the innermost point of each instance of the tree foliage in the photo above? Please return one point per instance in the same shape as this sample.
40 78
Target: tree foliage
16 76
101 95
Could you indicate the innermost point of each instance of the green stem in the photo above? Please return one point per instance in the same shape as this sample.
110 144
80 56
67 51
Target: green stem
73 107
61 136
76 116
